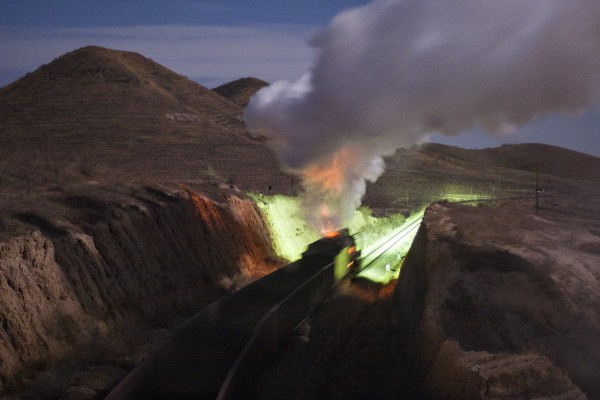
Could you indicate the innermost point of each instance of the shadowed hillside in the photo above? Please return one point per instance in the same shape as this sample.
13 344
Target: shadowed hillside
118 215
546 158
241 90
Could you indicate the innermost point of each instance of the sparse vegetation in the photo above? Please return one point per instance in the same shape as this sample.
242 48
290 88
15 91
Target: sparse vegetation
212 175
102 115
241 90
3 213
378 227
87 164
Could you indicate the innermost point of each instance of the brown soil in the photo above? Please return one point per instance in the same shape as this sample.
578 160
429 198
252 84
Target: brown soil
104 115
119 216
122 213
493 302
76 289
506 299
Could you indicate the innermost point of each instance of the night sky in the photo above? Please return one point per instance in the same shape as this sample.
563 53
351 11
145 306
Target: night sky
214 42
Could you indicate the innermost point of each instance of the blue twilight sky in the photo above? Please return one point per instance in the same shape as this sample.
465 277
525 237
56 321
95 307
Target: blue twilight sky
214 42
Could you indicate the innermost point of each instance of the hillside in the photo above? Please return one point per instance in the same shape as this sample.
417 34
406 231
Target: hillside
545 158
119 215
240 91
122 212
416 177
96 107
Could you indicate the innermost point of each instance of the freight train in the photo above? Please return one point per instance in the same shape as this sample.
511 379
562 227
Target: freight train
341 247
236 332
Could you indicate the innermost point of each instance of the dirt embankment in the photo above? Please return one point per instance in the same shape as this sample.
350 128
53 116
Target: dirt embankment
151 261
500 303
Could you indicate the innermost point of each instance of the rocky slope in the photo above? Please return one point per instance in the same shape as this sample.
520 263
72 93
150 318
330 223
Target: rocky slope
492 302
145 261
501 303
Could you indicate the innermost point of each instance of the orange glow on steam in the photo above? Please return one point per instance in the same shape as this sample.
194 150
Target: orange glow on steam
330 176
329 180
326 224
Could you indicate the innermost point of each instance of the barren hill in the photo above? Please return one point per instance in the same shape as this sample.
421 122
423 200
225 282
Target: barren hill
117 109
546 158
240 91
118 214
416 177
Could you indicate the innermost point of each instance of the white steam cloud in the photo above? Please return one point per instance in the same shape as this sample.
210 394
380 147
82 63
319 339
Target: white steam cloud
392 72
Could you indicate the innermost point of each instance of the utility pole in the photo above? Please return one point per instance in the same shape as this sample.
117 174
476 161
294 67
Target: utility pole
492 188
537 189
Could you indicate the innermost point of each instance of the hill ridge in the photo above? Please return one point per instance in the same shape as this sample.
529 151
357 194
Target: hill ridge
241 90
132 114
93 65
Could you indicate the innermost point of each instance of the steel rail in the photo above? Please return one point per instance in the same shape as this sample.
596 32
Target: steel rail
393 240
259 329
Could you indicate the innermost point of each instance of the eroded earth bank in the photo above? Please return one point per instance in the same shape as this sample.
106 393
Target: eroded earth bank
493 302
95 285
503 303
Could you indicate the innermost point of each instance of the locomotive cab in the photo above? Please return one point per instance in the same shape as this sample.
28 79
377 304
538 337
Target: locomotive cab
339 248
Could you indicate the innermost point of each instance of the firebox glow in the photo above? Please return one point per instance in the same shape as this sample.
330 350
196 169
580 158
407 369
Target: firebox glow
327 185
334 187
332 234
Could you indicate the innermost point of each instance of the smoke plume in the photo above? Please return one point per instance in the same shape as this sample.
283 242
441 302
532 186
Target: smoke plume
392 72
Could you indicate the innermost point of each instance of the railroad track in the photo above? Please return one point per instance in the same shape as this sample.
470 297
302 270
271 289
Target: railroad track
217 353
237 376
381 259
380 262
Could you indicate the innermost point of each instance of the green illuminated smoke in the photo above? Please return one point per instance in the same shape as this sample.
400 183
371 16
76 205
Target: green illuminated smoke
288 229
291 235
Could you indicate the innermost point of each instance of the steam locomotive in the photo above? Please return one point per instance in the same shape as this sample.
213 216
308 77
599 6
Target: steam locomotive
338 247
